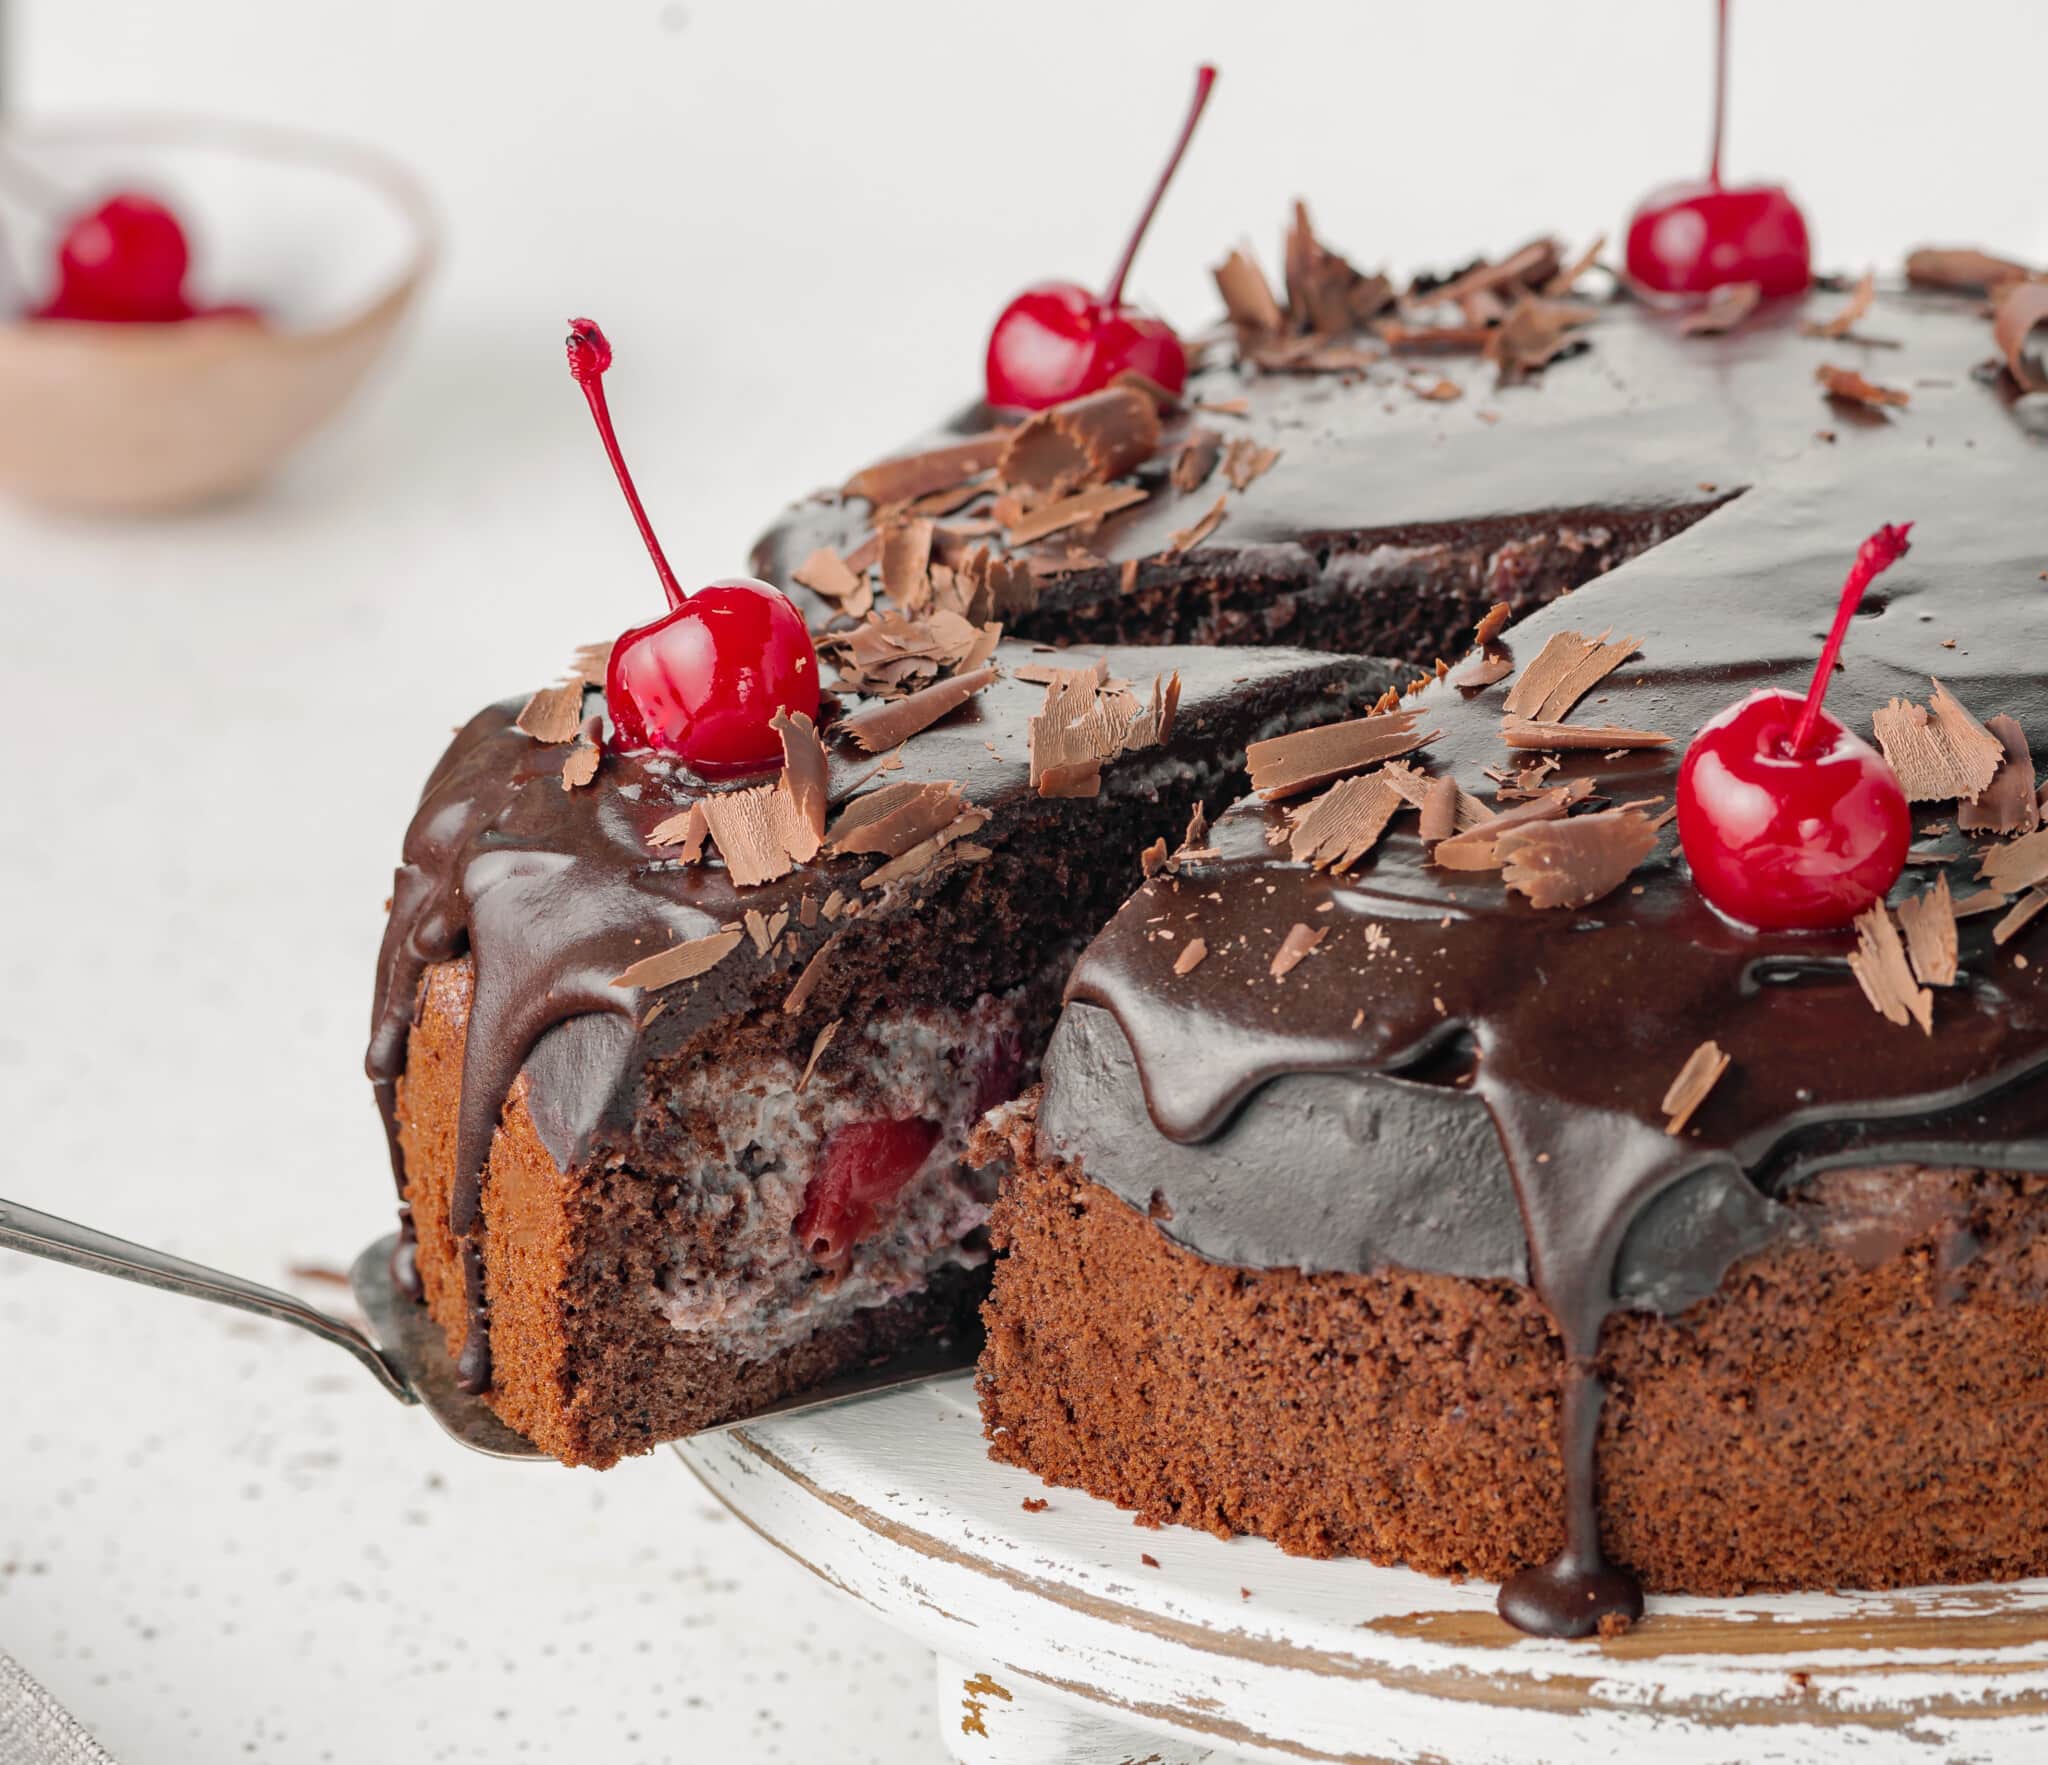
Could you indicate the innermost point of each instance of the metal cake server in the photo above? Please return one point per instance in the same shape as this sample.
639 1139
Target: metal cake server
409 1357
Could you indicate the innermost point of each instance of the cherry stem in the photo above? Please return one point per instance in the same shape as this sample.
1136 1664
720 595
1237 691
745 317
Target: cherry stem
1720 90
590 353
1205 78
1874 556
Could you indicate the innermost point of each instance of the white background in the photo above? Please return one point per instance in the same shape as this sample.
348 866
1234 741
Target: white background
797 221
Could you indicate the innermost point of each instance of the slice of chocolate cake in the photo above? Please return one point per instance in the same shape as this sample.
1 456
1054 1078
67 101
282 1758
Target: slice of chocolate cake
1449 1183
679 1078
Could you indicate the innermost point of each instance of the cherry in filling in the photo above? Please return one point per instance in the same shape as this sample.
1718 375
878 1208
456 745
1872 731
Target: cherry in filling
861 1169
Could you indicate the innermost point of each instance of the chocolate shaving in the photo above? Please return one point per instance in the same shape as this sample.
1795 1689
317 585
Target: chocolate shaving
1325 295
1962 269
826 573
555 713
889 652
690 830
2022 915
1533 335
892 819
591 661
1190 957
581 765
1439 811
2019 864
894 721
1086 719
804 769
1243 462
760 832
1929 922
1494 622
1294 948
1527 732
1303 760
1983 901
1568 667
1419 789
1938 750
1523 270
818 1047
1437 391
1726 307
1840 324
2015 314
1880 966
938 468
1477 848
1248 297
2008 803
1085 441
1567 278
1187 538
1087 505
681 962
1164 398
907 564
1850 386
920 856
813 973
1195 461
1335 830
1568 863
1700 1074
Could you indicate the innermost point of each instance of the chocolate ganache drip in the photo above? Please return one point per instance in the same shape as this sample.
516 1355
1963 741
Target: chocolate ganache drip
1576 1021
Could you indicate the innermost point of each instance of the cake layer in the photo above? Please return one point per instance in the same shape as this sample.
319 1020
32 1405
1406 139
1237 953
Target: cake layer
1858 1405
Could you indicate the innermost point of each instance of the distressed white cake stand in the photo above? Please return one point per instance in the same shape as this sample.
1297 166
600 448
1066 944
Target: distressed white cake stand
1056 1641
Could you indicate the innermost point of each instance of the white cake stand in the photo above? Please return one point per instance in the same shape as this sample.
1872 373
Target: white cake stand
1056 1640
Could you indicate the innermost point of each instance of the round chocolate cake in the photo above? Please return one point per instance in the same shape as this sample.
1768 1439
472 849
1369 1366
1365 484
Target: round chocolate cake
1421 1167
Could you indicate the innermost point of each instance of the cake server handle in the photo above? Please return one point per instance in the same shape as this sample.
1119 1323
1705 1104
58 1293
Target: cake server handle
43 1234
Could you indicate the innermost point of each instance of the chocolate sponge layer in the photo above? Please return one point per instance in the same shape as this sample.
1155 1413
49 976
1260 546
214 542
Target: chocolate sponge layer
1863 1404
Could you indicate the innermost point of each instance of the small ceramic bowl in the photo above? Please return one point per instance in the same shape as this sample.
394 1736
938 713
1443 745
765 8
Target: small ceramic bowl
329 240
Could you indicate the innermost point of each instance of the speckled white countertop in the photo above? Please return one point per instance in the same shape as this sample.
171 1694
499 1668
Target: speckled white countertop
217 1539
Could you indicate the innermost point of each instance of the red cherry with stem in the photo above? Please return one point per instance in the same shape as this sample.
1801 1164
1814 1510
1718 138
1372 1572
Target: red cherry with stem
1789 822
1057 341
125 262
1692 238
706 680
862 1168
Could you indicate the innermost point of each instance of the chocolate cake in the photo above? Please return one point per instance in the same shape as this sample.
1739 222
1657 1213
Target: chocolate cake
1422 1168
679 1077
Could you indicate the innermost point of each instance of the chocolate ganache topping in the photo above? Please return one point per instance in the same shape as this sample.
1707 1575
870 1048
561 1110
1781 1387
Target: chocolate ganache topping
555 893
1456 1080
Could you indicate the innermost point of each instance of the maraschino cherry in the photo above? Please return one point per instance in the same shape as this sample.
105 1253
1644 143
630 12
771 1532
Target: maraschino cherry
705 681
1692 238
1789 822
1058 340
123 262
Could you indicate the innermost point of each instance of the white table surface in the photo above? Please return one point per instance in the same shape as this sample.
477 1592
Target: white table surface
217 1540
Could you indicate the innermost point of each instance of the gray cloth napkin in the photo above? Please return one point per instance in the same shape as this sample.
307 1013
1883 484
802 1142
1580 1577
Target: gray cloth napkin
37 1730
